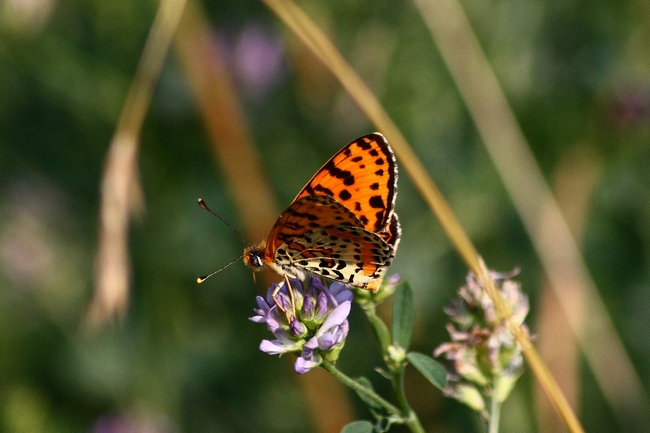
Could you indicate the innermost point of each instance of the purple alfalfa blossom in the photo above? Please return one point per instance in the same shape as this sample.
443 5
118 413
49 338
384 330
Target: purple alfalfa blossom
486 360
328 340
319 327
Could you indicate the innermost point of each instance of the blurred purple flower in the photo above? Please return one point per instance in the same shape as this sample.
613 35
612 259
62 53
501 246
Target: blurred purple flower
123 423
256 58
631 106
486 360
316 332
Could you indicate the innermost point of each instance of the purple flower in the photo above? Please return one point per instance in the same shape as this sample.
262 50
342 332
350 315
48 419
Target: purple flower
486 360
319 327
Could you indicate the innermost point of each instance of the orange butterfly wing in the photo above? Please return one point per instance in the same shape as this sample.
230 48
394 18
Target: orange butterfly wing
306 214
342 224
363 177
318 235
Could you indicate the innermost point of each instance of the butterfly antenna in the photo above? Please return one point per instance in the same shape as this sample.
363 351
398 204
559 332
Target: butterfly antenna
205 206
202 279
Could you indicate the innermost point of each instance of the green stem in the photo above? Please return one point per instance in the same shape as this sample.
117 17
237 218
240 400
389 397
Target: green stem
360 389
495 413
378 326
410 417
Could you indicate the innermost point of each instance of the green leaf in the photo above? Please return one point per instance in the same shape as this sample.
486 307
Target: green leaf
403 316
376 409
430 368
358 427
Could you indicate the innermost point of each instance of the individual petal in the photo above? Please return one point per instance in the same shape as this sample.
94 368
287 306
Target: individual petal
334 337
317 284
328 340
283 301
275 347
273 321
298 299
335 318
469 395
261 312
322 306
258 319
340 292
269 294
308 360
283 343
297 328
308 307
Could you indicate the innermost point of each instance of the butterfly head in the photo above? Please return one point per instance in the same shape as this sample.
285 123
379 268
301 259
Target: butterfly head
254 256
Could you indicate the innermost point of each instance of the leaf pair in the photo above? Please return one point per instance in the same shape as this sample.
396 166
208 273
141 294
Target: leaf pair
402 328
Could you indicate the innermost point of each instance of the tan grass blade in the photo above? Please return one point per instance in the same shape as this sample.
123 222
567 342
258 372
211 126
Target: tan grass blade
539 211
121 194
573 183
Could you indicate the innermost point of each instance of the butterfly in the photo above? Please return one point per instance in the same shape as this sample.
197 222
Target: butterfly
342 225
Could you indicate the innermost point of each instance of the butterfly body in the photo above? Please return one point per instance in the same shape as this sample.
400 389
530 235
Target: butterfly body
342 225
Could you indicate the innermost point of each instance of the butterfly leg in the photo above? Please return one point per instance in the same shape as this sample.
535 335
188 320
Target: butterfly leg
288 314
293 299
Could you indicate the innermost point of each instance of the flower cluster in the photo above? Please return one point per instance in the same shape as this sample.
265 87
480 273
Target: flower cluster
312 323
486 359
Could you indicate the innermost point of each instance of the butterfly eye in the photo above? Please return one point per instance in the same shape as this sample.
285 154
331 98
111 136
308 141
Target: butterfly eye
255 260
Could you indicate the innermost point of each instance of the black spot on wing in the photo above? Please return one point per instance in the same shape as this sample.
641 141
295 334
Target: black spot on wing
347 176
322 189
364 145
345 195
377 202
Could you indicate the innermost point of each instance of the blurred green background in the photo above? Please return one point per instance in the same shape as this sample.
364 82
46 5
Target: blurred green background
185 358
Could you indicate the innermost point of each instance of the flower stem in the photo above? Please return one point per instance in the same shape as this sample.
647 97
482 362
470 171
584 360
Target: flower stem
378 326
495 413
360 389
410 417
